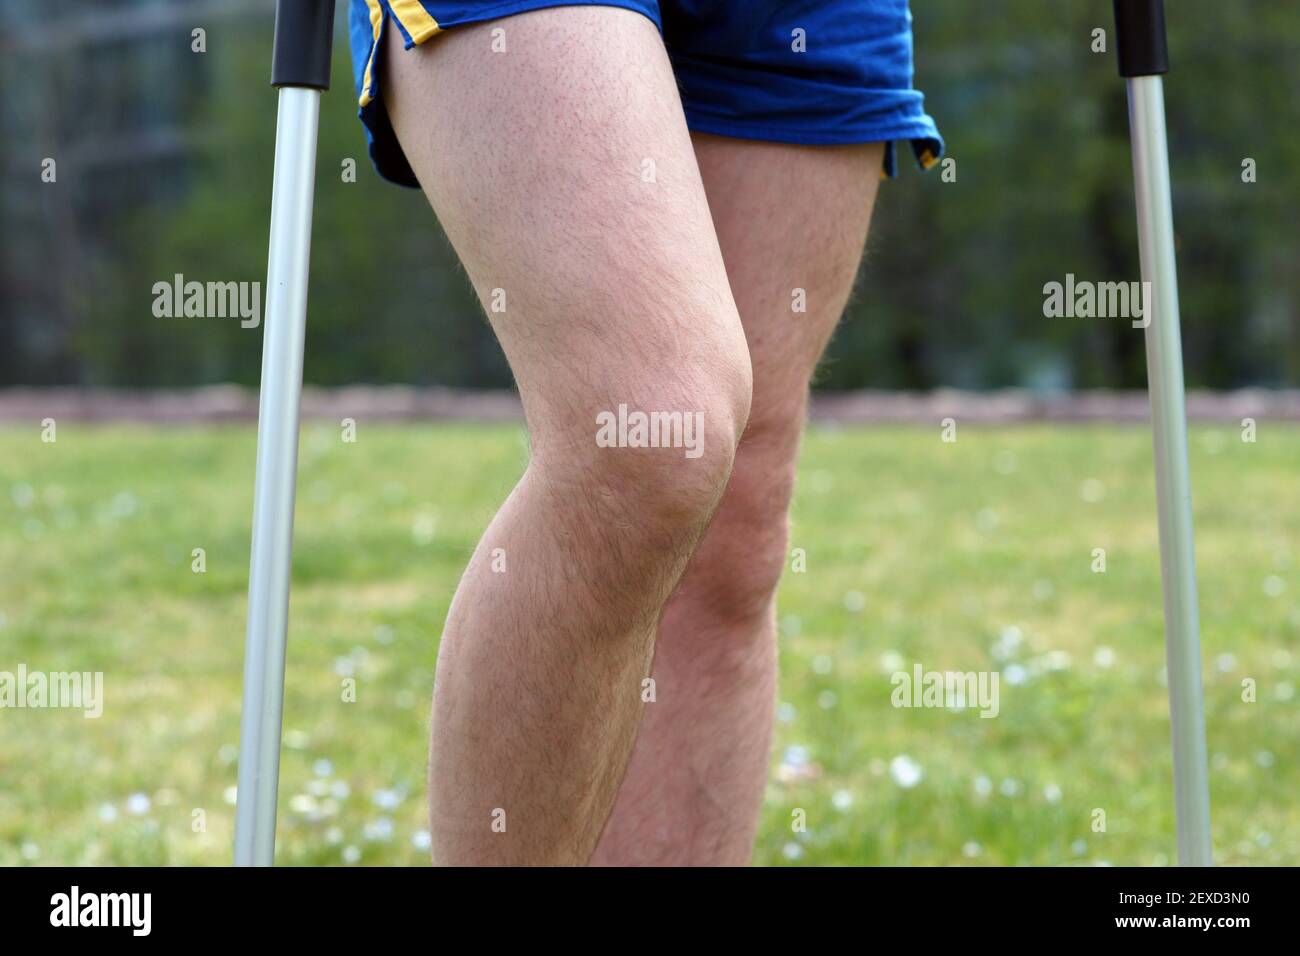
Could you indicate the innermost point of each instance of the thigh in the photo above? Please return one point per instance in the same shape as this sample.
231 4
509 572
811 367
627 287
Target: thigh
562 172
792 222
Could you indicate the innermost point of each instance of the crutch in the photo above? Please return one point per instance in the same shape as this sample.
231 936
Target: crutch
1143 58
300 70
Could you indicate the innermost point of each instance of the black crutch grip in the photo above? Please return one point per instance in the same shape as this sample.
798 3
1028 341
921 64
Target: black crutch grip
1140 37
304 36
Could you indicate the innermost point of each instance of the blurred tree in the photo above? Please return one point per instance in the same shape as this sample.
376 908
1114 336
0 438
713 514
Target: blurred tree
166 168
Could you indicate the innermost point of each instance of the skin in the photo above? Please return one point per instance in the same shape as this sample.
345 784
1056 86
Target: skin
787 217
623 294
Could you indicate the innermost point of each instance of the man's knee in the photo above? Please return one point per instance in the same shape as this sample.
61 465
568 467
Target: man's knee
735 573
645 464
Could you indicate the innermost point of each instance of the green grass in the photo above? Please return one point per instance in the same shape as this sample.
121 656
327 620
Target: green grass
967 556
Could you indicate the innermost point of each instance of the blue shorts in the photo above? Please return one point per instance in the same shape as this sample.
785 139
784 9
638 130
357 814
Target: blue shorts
817 72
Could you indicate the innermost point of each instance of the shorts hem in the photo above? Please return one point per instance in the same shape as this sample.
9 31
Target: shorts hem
514 7
926 142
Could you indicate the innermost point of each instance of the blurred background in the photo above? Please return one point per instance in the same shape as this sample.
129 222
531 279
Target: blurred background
973 555
164 159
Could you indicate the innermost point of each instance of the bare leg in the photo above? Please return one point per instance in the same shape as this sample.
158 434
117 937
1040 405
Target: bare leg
788 218
615 292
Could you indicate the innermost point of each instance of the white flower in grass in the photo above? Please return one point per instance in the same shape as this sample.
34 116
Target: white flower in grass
230 794
1092 490
23 494
323 768
340 790
827 699
905 771
107 813
786 713
822 664
1052 793
1009 787
891 662
421 840
1015 675
1284 690
983 786
351 854
797 766
387 799
795 755
1079 847
422 529
1104 657
1225 663
1056 660
970 849
1008 643
303 804
1264 758
791 625
1274 586
792 851
334 836
137 804
854 602
379 831
31 851
842 799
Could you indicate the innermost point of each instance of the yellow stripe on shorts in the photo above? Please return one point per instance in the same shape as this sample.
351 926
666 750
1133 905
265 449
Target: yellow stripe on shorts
376 18
415 19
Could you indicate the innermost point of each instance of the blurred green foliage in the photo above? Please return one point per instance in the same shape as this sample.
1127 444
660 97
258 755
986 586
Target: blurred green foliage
951 291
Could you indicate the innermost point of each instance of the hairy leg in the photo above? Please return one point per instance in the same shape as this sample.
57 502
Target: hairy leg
603 288
789 218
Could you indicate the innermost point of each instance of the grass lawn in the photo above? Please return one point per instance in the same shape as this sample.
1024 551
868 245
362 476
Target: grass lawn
969 556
